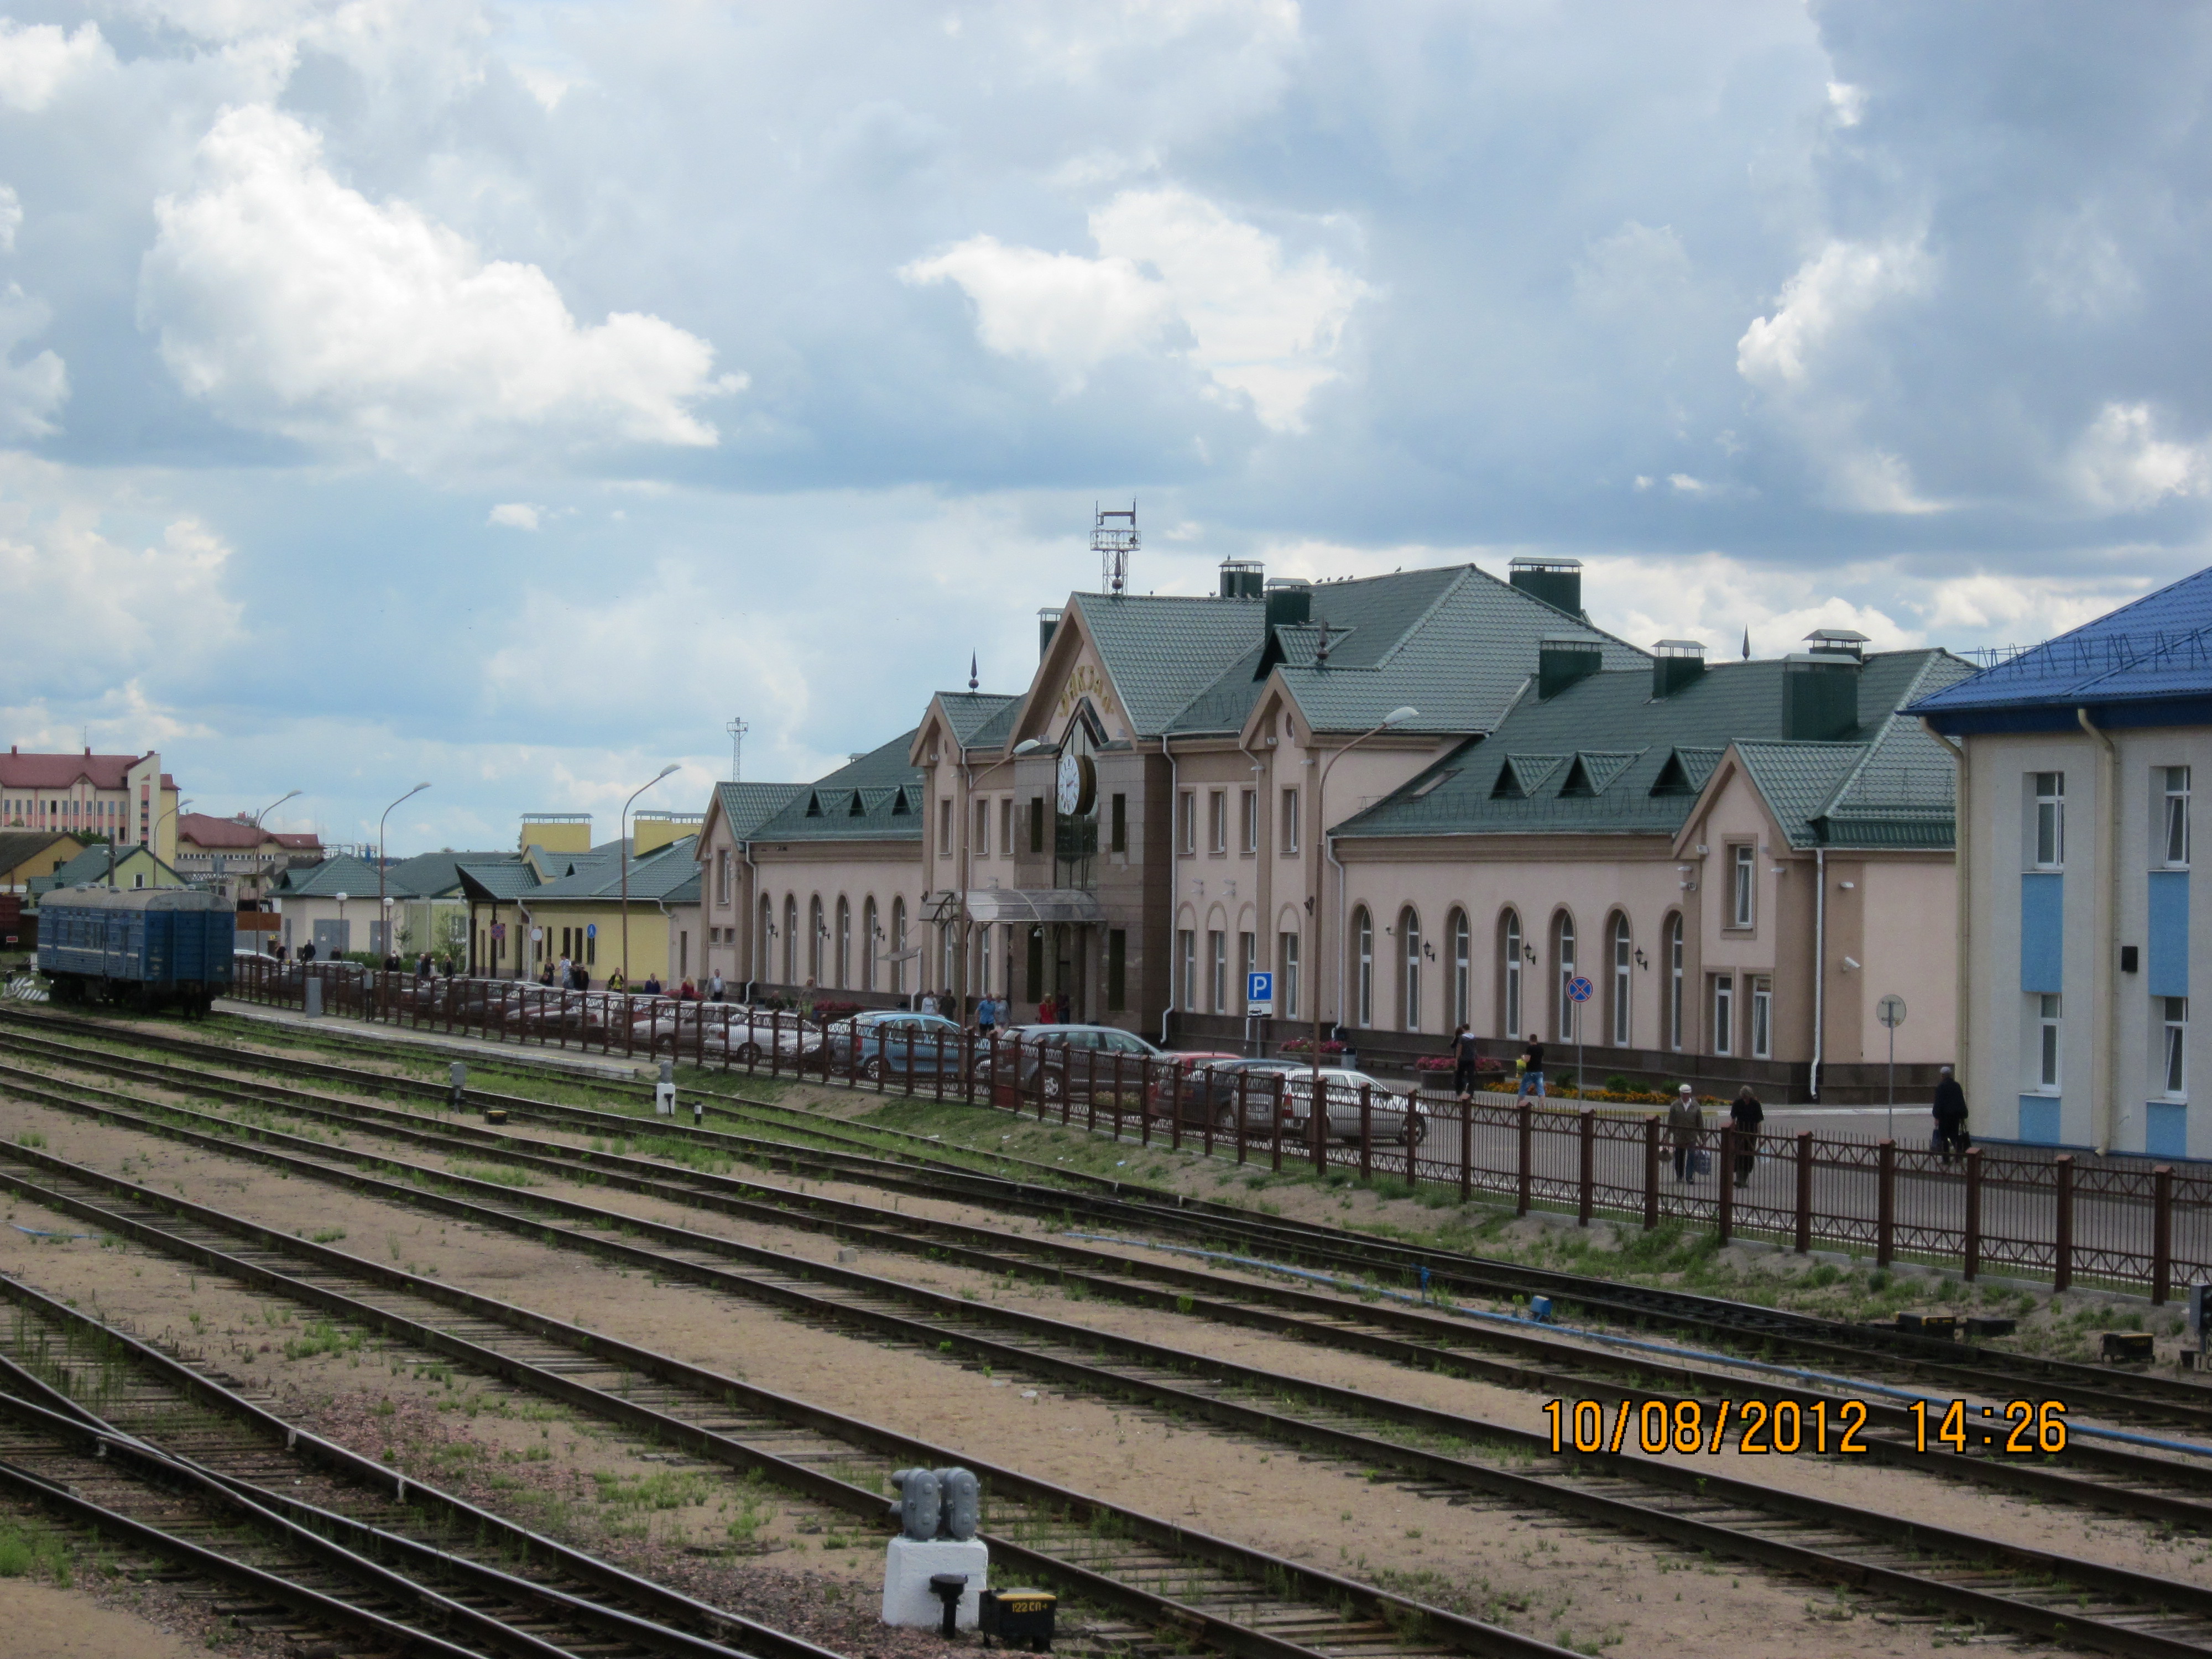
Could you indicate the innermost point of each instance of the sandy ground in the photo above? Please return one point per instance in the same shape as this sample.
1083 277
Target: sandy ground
44 1622
1530 1571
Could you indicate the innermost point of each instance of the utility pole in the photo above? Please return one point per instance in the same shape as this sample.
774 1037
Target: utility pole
737 729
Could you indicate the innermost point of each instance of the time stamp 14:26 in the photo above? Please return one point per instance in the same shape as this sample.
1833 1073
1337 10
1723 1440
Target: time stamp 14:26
1761 1428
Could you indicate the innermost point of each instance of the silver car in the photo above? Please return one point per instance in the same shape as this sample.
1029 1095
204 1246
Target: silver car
1392 1112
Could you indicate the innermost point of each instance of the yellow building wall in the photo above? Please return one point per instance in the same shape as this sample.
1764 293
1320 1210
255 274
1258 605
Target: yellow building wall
648 936
653 830
556 837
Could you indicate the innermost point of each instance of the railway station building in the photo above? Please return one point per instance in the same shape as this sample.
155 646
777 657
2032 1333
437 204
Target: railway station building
2077 948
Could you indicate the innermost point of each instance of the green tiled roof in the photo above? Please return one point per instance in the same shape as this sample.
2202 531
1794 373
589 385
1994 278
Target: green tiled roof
746 806
434 875
343 874
659 874
980 719
91 865
1589 759
1455 643
497 883
875 797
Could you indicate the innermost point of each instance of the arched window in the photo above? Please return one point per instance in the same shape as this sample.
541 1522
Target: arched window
1409 985
1674 967
790 939
1508 975
1563 969
764 938
817 930
898 945
1462 995
1624 950
844 942
868 943
1363 989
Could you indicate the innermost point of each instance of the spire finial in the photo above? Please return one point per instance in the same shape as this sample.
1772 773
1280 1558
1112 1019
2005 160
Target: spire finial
1747 645
972 681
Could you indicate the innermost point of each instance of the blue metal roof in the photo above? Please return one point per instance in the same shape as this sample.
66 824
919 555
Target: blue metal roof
2156 650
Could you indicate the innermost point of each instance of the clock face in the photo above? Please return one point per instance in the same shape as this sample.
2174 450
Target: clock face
1079 785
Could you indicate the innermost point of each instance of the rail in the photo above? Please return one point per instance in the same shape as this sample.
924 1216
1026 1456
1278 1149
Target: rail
2012 1210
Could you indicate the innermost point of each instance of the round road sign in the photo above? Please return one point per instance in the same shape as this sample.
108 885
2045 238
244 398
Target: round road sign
1890 1011
1579 988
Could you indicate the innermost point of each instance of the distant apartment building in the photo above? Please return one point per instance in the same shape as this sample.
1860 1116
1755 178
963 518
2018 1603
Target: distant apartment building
124 798
237 857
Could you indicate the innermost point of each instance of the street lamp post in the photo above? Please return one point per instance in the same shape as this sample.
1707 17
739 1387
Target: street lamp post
261 879
383 904
621 857
179 808
1318 1107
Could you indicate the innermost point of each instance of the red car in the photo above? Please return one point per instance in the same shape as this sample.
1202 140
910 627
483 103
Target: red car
1172 1084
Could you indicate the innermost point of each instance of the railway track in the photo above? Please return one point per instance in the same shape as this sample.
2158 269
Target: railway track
371 1562
1674 1502
2116 1397
1157 1576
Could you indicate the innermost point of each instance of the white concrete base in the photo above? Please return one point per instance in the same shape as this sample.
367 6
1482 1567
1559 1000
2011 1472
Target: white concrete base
908 1566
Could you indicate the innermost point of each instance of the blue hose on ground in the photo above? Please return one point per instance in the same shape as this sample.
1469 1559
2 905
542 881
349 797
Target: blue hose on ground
1337 1282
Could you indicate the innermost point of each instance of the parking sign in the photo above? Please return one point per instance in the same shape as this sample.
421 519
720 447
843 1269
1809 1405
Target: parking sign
1258 988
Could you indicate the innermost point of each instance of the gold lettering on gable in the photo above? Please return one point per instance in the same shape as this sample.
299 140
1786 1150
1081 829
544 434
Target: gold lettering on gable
1086 681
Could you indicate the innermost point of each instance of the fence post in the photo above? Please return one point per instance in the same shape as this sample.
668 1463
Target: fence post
1651 1173
2161 1233
1884 1225
909 1057
2061 1274
1466 1150
1317 1125
1117 1094
1724 1181
1804 1240
1366 1134
1243 1098
938 1036
1590 1167
1090 1090
1175 1106
968 1066
1971 1267
1528 1148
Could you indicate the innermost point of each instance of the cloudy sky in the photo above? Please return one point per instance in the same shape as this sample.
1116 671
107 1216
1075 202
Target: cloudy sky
507 395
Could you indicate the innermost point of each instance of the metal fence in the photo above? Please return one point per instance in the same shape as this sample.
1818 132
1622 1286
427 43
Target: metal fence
2016 1211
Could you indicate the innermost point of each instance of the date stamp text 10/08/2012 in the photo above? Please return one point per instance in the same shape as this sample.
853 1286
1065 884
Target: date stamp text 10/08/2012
1760 1428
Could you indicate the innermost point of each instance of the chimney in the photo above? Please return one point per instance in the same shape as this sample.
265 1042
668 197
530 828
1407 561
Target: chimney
1289 603
1675 663
1048 621
1562 661
1821 688
1243 578
1556 582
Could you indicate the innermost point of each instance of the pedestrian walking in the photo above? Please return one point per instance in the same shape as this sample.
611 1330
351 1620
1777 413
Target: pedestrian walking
1465 1052
1950 1113
1685 1123
986 1015
1532 1067
1746 1114
1045 1013
929 1002
1061 1008
715 985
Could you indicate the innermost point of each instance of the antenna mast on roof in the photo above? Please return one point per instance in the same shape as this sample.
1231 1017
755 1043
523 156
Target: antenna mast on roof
1114 539
737 729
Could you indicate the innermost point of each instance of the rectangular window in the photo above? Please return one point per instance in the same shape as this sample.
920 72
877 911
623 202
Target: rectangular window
1290 832
1117 967
1187 970
1762 1019
722 876
1286 976
982 829
1037 823
983 960
1120 825
1217 968
1006 825
1248 807
2049 820
1187 822
2177 817
1035 964
944 828
2048 1010
1724 1013
1743 885
1247 962
2174 1071
1217 821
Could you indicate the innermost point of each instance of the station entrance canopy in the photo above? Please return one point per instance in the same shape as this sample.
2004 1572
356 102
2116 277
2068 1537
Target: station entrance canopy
1033 904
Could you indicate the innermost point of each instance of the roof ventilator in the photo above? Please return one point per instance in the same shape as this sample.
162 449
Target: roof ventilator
1820 687
1556 582
1243 578
1675 663
1561 661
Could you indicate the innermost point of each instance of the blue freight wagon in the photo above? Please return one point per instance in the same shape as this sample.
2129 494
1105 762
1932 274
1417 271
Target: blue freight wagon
142 947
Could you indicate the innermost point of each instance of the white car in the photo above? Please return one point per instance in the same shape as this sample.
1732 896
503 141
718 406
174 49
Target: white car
1392 1113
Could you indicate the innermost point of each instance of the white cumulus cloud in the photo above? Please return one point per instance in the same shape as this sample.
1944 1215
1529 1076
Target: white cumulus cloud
1822 299
11 217
35 389
1174 271
36 60
291 303
514 515
2121 462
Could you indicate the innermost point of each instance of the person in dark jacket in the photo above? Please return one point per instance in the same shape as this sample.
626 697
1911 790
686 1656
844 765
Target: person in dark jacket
1532 1067
1465 1052
1950 1112
1746 1114
1684 1123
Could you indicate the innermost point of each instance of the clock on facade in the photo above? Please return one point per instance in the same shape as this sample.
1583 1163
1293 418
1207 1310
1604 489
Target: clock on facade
1079 785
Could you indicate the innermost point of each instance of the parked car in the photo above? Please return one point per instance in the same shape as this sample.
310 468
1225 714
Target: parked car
1058 1060
1391 1111
898 1043
1172 1082
1210 1090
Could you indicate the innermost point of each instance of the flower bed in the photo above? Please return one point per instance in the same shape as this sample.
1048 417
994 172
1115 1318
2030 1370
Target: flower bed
1304 1046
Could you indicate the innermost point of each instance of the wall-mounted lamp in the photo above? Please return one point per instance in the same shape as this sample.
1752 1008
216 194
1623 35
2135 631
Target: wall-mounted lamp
1530 951
1641 961
1428 949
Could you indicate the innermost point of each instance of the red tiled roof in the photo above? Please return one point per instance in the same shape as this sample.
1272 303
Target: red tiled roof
306 842
22 771
203 829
